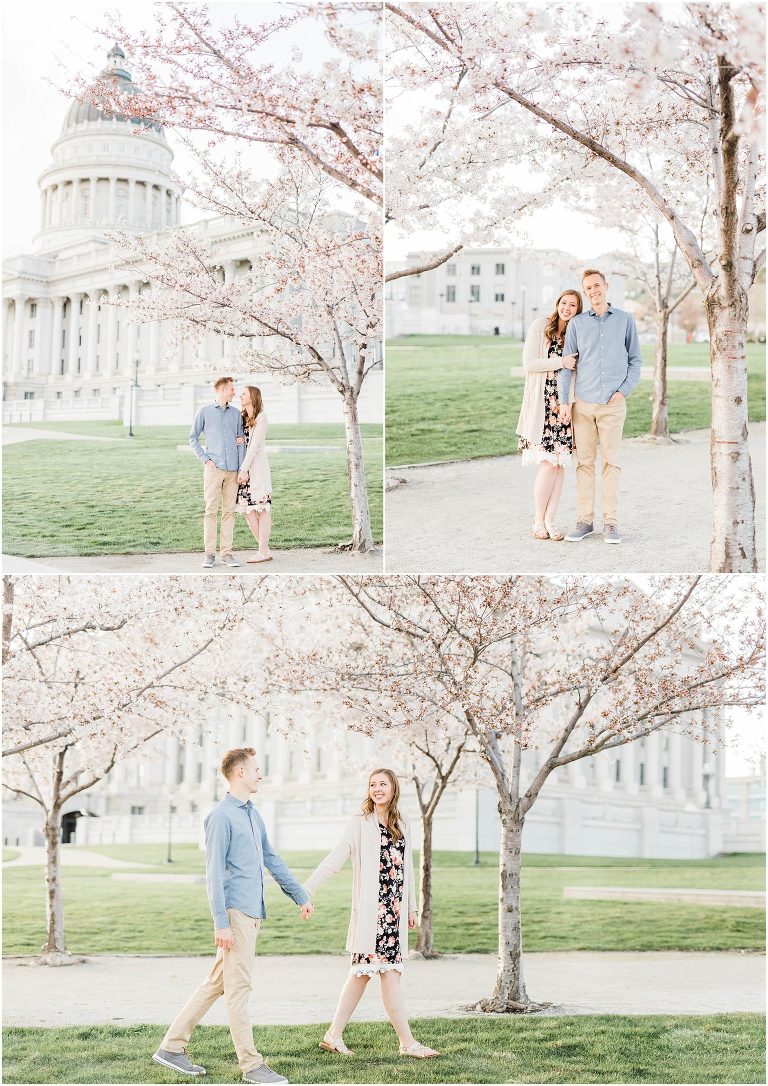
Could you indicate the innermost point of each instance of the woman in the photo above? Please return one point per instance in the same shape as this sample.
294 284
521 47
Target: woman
254 492
379 843
544 439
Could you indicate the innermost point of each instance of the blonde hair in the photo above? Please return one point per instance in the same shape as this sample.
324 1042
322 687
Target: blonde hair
394 821
222 381
593 271
233 758
554 321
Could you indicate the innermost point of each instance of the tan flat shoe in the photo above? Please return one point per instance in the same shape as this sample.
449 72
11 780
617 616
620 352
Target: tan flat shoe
418 1051
540 533
555 534
334 1044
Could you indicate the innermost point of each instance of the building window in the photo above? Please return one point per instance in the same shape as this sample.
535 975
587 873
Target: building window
78 365
499 269
474 269
30 367
76 393
665 777
63 338
33 312
31 338
642 772
199 773
95 392
59 395
81 307
180 773
96 364
474 294
450 293
618 772
451 269
498 297
266 765
137 810
319 760
29 395
292 763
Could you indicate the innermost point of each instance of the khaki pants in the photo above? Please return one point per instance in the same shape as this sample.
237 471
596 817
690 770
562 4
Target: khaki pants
219 488
232 977
590 422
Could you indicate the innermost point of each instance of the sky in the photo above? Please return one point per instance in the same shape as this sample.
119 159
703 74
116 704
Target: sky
43 44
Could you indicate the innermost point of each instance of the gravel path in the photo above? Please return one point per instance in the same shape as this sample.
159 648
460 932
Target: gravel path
303 988
309 560
474 516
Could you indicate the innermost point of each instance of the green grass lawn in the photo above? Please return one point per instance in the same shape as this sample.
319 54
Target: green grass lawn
9 854
104 916
452 397
726 1048
142 495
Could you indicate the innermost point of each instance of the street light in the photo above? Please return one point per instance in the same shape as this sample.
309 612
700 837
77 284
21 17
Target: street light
512 320
522 315
134 388
477 826
171 813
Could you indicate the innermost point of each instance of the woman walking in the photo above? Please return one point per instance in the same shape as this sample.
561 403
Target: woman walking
544 439
254 493
378 840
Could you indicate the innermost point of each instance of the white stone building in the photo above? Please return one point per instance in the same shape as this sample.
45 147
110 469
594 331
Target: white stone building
481 291
65 356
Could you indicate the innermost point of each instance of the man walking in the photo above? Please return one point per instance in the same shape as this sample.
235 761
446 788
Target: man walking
222 425
237 851
606 342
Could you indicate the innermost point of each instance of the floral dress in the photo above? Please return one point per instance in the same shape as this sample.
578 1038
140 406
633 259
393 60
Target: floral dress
247 502
391 878
557 438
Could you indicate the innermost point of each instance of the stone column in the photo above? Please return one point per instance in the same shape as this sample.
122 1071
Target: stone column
58 323
675 766
112 202
153 362
171 762
110 353
228 342
43 208
93 323
132 330
17 351
629 770
75 216
177 210
131 201
697 779
653 764
44 336
148 204
604 771
74 332
92 184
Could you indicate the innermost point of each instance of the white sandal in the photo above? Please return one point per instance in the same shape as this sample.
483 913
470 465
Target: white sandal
331 1044
418 1051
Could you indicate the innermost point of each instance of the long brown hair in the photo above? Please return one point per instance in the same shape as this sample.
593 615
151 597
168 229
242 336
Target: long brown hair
394 821
252 411
552 324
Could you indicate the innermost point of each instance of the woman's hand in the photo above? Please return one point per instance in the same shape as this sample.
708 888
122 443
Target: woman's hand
569 361
413 919
242 477
241 440
564 413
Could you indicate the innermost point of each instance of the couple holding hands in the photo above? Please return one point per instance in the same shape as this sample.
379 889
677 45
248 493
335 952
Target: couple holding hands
378 842
560 415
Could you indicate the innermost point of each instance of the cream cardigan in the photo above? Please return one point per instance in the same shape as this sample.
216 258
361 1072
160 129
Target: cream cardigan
536 364
361 841
255 462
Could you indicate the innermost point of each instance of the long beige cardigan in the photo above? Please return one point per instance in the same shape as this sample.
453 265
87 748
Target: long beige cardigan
255 462
362 841
530 425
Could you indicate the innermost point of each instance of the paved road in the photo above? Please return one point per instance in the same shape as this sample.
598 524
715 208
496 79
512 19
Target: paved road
303 988
474 516
309 560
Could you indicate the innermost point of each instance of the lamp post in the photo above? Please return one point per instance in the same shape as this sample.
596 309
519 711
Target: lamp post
522 315
171 813
512 320
441 295
134 388
477 826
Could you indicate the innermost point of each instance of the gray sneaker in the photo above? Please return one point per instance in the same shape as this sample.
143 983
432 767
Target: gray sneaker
262 1073
209 561
581 531
229 560
611 533
178 1061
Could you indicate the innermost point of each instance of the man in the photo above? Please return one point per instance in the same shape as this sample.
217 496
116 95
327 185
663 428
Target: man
605 340
237 851
222 456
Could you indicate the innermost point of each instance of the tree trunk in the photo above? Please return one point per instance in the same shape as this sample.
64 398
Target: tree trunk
425 942
362 537
54 946
660 416
509 995
733 490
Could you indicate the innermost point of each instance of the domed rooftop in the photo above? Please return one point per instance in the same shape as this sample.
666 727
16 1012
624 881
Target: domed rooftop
83 112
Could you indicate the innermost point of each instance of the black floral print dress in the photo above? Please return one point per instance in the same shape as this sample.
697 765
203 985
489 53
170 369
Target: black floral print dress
557 438
391 880
247 502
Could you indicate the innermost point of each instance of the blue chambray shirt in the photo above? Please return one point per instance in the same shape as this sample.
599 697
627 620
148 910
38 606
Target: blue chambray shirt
609 356
237 851
222 426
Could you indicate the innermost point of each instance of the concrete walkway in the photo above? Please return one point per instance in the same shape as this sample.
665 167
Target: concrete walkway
34 856
12 435
304 988
309 560
475 516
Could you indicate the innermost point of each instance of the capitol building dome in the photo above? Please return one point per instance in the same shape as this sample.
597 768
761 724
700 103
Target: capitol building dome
106 170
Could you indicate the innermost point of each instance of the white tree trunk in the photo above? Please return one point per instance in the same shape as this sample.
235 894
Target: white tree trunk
362 537
425 942
733 490
660 414
54 946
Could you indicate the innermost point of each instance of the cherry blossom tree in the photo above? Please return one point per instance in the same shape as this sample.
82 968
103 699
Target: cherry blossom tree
565 669
310 310
683 85
93 669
